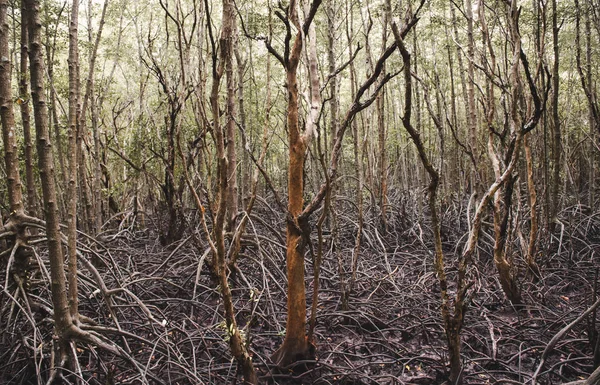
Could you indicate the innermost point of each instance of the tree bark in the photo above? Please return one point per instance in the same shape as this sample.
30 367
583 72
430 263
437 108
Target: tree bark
585 75
502 199
347 289
533 228
464 85
592 121
295 345
73 62
236 342
557 141
230 124
11 160
471 111
96 199
53 116
24 102
246 164
381 131
62 316
452 324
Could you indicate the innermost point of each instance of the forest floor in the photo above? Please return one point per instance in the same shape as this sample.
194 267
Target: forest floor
392 333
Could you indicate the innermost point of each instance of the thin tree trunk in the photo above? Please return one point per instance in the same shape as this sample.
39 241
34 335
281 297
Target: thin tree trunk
585 76
334 102
96 201
503 197
531 248
58 145
557 145
100 162
26 121
11 160
452 324
453 123
84 186
348 289
62 316
471 111
295 345
592 123
236 342
310 127
246 166
90 199
230 124
73 62
367 121
540 38
381 131
419 171
465 93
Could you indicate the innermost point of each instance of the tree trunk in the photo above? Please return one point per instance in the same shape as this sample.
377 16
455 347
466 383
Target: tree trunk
90 198
295 346
502 199
73 61
334 102
62 316
557 145
471 111
55 126
26 120
236 342
96 199
453 122
533 228
84 186
11 152
452 322
502 206
585 75
381 132
246 165
356 133
592 121
50 52
465 93
232 185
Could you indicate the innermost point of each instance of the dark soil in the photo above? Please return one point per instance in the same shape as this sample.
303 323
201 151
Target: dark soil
392 333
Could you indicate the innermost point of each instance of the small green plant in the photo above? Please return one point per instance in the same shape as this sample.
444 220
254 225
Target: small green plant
229 331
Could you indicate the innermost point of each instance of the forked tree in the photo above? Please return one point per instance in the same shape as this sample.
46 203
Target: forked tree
296 344
223 63
223 262
499 192
66 328
64 325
